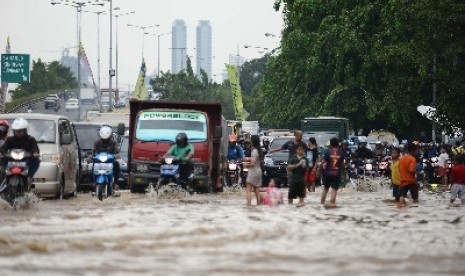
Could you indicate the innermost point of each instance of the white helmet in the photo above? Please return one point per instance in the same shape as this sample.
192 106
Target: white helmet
19 123
362 139
105 132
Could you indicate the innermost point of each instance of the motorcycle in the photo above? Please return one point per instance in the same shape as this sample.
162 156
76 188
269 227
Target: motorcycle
16 181
232 173
366 172
170 177
103 174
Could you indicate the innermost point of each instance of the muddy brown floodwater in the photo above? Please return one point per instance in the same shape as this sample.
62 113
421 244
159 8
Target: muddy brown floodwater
216 234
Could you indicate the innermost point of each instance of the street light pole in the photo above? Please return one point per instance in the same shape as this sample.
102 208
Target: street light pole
117 16
158 45
78 5
158 58
79 9
143 32
111 73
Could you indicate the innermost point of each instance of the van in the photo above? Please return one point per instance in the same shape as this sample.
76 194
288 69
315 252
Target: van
58 173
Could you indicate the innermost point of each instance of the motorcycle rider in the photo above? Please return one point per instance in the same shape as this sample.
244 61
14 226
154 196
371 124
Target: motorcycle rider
379 152
248 149
347 151
266 145
22 140
362 152
108 145
235 152
184 152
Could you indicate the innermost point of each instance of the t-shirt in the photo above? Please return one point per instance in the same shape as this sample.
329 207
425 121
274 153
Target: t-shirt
458 150
407 168
363 153
292 147
457 174
108 146
181 152
395 173
299 172
334 159
312 157
27 143
235 152
442 161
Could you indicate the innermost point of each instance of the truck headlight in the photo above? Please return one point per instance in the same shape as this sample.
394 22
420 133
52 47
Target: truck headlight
268 160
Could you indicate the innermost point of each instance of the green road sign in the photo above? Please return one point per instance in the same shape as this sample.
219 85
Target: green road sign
15 68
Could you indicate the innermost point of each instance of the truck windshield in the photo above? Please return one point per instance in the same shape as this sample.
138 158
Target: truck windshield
165 125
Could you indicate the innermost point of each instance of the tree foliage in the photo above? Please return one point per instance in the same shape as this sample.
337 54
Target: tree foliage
185 86
368 60
46 77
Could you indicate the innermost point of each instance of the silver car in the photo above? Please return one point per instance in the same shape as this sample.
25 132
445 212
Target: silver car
58 172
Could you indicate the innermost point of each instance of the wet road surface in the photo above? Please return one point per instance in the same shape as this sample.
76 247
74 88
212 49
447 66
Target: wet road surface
216 234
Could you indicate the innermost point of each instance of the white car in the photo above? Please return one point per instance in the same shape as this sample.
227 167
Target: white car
72 104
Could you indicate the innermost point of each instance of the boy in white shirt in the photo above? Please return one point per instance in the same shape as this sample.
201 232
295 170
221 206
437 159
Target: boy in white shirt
442 167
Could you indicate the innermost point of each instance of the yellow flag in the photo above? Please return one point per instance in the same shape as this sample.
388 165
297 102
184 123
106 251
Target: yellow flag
236 90
140 92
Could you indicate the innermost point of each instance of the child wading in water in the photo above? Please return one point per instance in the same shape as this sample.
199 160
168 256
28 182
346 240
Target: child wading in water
333 160
271 195
298 166
395 173
458 180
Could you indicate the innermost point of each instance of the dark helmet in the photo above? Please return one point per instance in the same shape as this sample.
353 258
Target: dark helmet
181 137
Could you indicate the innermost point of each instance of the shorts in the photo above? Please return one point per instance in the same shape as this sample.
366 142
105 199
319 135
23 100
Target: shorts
413 188
310 177
457 190
441 172
331 181
296 189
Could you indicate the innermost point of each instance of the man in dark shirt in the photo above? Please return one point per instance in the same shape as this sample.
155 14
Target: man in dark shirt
22 140
291 146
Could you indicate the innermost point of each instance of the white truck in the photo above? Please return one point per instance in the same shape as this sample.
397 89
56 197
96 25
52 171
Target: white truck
88 96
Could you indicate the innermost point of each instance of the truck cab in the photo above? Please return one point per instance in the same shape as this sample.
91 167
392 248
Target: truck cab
152 130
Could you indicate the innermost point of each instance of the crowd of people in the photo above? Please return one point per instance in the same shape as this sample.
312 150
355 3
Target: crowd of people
307 163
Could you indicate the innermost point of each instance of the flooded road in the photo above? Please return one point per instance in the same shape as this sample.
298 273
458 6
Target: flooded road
216 234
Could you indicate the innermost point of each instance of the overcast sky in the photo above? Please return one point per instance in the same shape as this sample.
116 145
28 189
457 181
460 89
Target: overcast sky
42 30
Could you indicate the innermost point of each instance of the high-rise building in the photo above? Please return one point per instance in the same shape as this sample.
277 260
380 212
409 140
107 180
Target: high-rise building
204 48
179 46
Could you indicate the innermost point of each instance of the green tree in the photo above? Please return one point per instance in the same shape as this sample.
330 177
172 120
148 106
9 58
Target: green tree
368 60
46 77
185 86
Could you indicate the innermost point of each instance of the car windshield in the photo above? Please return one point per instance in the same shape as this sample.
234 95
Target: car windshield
44 131
87 135
164 126
73 101
279 142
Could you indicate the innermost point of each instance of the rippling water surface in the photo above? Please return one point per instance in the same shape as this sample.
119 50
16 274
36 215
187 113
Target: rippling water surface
216 234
